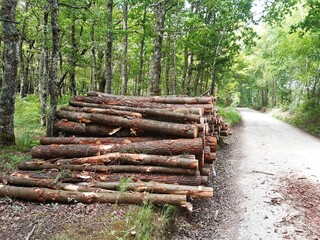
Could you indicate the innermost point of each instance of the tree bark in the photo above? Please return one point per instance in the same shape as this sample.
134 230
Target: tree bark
25 180
159 147
157 114
177 109
48 195
109 42
183 161
92 140
124 69
174 129
53 75
10 39
35 166
154 99
191 191
88 129
141 53
44 67
160 13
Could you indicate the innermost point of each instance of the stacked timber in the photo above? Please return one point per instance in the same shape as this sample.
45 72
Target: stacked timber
121 149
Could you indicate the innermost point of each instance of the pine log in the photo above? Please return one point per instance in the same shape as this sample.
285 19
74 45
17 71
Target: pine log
48 195
34 166
184 110
176 129
139 104
95 186
27 181
84 129
183 161
192 191
212 142
204 171
92 140
164 115
74 177
155 99
159 147
103 111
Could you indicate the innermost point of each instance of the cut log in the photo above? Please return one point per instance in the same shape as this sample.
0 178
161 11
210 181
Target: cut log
24 180
94 186
139 104
83 129
176 129
92 140
48 195
192 191
205 171
185 110
34 166
159 147
164 115
155 99
103 111
183 161
74 177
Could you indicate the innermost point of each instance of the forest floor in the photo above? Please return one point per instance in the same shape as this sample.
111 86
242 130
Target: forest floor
267 187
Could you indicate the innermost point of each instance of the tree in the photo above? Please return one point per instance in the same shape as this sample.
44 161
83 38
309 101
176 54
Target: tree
7 99
53 74
109 42
160 14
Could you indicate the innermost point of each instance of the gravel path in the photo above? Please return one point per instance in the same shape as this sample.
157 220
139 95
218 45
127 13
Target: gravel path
267 185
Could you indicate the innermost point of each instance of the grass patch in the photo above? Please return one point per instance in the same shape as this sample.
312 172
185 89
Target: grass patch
27 122
138 222
229 115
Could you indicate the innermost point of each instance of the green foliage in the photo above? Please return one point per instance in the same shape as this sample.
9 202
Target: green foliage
230 115
27 122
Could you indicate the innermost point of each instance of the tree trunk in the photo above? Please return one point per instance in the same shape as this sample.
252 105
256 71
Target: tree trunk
191 191
124 48
53 76
183 161
84 129
159 147
160 13
23 73
189 78
185 68
174 129
92 140
141 53
109 42
48 195
157 114
110 187
10 39
35 166
108 98
194 109
103 111
44 67
73 58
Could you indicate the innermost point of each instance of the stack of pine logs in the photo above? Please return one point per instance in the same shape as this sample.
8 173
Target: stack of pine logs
121 149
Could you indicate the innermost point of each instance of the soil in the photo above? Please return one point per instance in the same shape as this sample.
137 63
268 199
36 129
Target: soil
266 187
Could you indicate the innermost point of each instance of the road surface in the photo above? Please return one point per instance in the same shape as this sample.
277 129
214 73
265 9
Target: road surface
267 186
271 150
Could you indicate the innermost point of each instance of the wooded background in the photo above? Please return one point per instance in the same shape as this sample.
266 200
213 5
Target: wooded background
154 47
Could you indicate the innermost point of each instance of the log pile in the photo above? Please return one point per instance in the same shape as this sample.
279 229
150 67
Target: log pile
121 149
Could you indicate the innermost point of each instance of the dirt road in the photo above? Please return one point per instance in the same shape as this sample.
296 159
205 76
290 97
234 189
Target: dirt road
272 190
272 153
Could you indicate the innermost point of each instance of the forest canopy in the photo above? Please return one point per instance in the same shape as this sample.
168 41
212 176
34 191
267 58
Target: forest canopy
167 47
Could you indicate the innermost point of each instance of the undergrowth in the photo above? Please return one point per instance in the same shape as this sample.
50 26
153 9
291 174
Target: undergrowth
229 115
139 223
